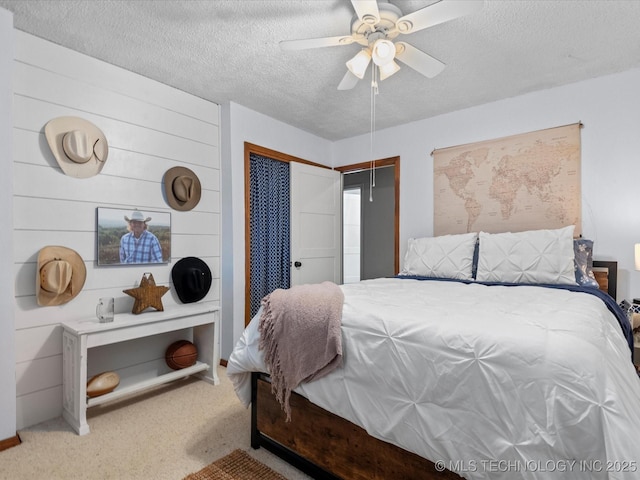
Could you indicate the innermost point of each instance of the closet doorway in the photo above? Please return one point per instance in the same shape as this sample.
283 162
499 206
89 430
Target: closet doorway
371 228
292 223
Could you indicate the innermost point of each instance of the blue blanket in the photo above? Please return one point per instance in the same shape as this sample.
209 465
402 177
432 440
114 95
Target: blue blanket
606 298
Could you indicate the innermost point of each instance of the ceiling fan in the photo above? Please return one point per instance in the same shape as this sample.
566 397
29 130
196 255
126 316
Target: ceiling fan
375 25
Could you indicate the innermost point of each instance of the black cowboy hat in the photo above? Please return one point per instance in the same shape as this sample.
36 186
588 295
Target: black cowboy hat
191 279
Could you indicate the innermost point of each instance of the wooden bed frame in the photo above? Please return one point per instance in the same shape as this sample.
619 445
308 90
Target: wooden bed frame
326 446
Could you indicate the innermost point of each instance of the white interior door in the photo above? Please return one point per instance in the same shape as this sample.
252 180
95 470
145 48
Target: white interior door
316 224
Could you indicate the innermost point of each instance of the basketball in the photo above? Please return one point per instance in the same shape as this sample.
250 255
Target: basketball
181 354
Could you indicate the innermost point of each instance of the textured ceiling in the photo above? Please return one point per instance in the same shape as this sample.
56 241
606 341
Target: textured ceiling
227 50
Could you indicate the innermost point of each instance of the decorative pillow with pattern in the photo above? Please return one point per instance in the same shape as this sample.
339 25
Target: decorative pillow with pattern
446 256
583 254
536 256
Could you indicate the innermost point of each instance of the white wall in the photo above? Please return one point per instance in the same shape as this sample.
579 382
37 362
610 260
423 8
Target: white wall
609 108
150 128
7 334
245 125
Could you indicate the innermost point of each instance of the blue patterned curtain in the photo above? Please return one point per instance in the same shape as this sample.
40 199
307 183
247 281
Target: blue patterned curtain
269 227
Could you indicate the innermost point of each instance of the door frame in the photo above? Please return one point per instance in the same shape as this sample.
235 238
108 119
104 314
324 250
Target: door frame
385 162
250 148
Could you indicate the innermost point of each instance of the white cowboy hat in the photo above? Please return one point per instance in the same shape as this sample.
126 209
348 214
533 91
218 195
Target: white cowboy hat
79 146
182 188
137 216
60 275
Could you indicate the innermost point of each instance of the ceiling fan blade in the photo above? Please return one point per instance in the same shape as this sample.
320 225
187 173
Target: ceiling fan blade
316 42
418 60
367 11
436 13
348 81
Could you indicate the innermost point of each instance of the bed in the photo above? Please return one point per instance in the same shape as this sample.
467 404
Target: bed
466 365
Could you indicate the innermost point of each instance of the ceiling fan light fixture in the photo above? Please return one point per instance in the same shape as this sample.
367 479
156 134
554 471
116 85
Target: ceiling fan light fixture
383 51
388 69
358 64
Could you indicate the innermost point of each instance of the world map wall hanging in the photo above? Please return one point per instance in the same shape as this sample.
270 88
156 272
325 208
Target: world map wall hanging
523 182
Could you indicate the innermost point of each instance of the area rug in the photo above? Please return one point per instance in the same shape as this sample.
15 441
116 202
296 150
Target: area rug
238 465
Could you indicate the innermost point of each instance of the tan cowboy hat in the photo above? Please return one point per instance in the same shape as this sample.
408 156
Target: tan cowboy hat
60 276
137 215
182 188
79 146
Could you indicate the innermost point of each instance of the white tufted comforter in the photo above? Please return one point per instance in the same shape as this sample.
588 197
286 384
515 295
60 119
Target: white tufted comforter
495 382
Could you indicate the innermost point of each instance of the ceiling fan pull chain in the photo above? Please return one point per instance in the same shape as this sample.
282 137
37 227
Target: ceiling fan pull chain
371 125
373 130
374 92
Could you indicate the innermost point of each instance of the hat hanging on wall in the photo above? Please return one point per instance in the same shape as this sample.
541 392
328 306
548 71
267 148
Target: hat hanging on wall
182 188
191 279
60 275
79 146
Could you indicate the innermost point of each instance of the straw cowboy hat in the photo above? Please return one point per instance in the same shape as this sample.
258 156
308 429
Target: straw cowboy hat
137 215
182 188
79 146
60 275
191 279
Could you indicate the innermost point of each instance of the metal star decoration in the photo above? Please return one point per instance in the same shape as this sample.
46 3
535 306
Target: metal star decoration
147 294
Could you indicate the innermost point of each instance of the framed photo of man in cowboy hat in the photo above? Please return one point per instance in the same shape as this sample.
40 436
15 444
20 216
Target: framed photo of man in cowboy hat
133 236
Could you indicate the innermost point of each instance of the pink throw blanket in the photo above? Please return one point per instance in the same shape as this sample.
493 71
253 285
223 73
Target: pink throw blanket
300 334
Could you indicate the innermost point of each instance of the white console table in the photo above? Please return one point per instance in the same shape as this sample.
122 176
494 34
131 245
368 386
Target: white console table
79 336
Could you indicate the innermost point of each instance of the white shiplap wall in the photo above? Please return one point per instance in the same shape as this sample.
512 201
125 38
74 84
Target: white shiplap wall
7 332
150 128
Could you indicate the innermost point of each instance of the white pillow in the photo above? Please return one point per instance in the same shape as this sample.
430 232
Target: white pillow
537 256
447 256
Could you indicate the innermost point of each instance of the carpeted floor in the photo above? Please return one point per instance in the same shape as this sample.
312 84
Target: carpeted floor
167 433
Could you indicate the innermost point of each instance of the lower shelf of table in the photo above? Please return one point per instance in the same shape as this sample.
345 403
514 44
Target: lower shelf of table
122 391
